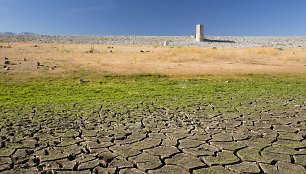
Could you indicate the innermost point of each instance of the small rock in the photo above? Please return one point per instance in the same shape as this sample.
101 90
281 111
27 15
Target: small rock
166 43
7 62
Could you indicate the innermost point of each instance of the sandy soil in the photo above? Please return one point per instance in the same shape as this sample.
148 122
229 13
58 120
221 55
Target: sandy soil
103 59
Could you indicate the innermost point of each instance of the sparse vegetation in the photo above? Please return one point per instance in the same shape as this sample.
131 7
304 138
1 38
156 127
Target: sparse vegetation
123 60
92 49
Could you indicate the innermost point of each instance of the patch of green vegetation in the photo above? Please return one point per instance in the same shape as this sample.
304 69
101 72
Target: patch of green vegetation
121 93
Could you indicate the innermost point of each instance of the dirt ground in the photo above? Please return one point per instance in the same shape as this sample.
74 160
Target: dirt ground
163 142
259 136
59 58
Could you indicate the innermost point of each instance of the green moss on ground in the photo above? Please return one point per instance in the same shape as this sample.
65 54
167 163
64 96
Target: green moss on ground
120 93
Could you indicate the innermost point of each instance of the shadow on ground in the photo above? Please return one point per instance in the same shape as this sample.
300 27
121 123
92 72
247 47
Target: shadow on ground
219 41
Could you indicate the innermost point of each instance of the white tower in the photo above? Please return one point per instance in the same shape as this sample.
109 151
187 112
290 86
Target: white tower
200 33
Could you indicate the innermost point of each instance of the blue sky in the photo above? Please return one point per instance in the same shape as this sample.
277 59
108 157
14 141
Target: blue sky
154 17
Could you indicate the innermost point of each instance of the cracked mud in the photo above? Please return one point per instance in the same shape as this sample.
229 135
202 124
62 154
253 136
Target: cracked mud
163 141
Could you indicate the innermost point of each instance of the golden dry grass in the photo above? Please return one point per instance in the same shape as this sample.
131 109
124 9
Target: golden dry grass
155 60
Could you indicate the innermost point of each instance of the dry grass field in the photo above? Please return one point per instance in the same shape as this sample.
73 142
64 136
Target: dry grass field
58 59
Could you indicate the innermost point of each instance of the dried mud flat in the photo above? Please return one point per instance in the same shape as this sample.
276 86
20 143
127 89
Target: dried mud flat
163 141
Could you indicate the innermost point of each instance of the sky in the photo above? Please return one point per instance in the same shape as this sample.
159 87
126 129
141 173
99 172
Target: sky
154 17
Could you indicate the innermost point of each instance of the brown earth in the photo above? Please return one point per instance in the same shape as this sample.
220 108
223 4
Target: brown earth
165 141
56 59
